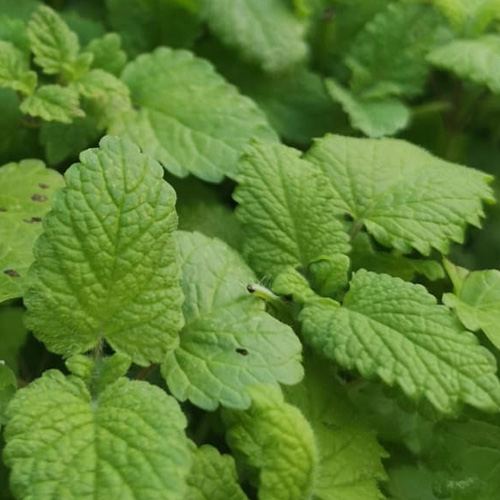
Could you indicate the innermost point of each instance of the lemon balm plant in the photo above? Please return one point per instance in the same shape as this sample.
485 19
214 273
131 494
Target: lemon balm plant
221 278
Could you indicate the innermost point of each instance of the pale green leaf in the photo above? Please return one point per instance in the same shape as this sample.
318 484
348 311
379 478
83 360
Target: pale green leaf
109 95
13 335
213 476
147 24
106 265
477 303
65 140
229 342
466 456
266 32
26 190
405 197
53 103
54 45
395 330
349 455
14 69
107 53
286 210
373 117
275 438
126 442
364 256
477 60
8 387
98 374
190 119
390 49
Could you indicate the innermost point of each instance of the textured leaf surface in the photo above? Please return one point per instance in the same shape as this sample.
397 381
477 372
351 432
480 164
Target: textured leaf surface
394 329
229 342
109 95
14 69
13 335
54 45
477 60
106 265
286 210
26 190
274 437
374 117
467 457
107 53
53 103
190 120
390 49
405 197
264 31
213 476
477 303
349 455
127 442
147 24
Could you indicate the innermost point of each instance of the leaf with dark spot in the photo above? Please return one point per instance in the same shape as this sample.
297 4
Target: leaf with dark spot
33 219
43 185
39 197
241 351
12 273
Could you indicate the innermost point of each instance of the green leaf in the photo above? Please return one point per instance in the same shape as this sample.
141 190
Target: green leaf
62 141
107 53
27 191
477 303
109 95
374 117
190 119
22 9
8 387
229 342
410 483
14 70
106 265
55 46
296 103
286 210
405 197
364 256
13 335
467 456
395 330
477 60
126 442
264 31
14 31
201 208
53 103
147 24
390 50
275 438
349 455
213 476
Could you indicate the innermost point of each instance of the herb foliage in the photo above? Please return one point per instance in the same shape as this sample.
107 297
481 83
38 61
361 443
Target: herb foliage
249 249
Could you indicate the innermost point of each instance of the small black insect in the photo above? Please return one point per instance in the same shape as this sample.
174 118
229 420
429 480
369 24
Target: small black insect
241 351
